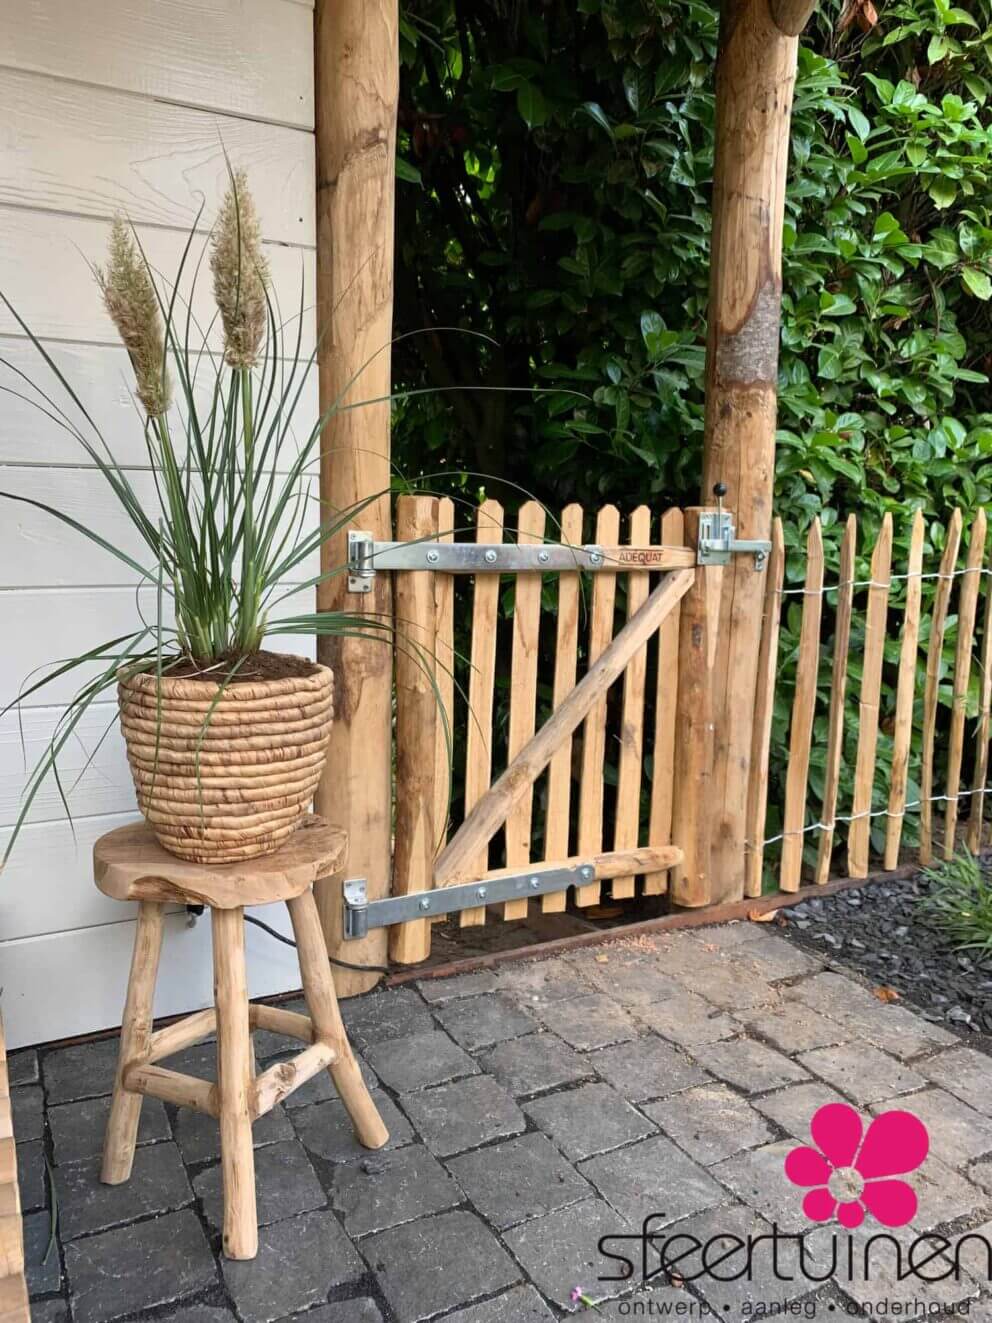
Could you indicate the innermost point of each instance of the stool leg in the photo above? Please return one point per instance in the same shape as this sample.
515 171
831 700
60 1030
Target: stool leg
234 1084
322 1003
136 1031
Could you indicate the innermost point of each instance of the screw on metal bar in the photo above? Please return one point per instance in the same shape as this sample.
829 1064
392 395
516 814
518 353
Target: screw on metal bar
586 872
595 557
490 558
432 557
481 893
543 557
534 883
425 904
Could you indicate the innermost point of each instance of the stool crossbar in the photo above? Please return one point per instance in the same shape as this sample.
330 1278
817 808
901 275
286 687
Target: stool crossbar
129 864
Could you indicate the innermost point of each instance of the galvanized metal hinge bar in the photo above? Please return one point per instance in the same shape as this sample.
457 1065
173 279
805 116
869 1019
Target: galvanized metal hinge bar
361 914
718 539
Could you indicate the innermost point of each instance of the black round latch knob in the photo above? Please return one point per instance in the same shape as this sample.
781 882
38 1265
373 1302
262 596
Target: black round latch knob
719 489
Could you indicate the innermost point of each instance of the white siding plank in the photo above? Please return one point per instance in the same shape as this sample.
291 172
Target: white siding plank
41 626
84 150
101 377
74 982
247 57
44 273
39 550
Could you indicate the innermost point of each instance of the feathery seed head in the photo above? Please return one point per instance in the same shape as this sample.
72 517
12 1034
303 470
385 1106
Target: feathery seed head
241 274
129 297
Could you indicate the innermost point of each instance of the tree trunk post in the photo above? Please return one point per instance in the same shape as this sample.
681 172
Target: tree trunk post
756 71
356 71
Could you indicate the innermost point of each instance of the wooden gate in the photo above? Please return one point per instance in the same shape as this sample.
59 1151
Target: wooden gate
550 648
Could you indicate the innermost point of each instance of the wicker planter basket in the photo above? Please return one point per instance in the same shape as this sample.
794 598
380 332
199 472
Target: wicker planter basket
235 787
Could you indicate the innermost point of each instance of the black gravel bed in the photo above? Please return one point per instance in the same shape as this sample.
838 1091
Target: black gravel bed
877 931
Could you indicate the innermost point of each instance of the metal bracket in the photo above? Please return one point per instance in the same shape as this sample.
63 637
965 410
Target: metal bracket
366 556
362 914
718 540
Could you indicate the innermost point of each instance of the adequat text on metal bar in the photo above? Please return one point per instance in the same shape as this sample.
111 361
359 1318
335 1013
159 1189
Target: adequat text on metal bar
361 914
366 557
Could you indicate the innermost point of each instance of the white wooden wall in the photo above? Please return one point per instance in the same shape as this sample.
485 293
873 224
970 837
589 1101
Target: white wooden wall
114 105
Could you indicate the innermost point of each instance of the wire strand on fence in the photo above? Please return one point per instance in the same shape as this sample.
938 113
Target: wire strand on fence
871 583
874 813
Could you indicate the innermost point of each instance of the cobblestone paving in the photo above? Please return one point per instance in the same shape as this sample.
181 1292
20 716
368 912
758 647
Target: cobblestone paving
532 1110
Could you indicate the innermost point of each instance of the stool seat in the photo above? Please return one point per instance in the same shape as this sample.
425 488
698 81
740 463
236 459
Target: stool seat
129 864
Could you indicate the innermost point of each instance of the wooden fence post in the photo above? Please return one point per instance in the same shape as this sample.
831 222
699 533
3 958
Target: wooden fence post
691 880
416 730
756 70
356 76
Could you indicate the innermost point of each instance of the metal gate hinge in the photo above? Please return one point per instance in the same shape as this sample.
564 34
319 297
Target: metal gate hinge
718 539
361 914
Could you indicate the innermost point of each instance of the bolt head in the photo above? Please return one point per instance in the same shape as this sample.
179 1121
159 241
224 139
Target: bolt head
490 558
481 893
595 557
544 557
433 557
425 904
534 883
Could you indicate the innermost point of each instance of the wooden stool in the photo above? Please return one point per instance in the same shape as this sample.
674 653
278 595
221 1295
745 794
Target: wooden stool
129 864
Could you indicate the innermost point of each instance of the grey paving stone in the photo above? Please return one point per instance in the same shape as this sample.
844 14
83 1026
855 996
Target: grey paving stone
590 1119
50 1311
22 1068
138 1267
42 1268
298 1263
861 1071
433 1264
758 1179
285 1185
389 1188
795 1027
887 1025
198 1136
522 1178
200 1314
632 981
482 1021
78 1128
589 1022
32 1177
744 1281
158 1184
793 1108
534 1063
957 1132
326 1129
561 1251
199 1059
463 1115
750 1066
646 1067
688 1020
361 1309
85 1070
416 1062
438 990
652 1179
28 1109
963 1072
385 1013
535 982
521 1304
710 1123
726 936
944 1195
771 958
714 974
981 1174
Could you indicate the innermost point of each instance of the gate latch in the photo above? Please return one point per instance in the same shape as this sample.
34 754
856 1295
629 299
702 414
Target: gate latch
718 540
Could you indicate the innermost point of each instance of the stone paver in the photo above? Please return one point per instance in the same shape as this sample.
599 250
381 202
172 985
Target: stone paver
199 1314
27 1106
943 1195
460 1116
482 1021
689 1020
957 1132
436 1263
521 1304
84 1070
359 1309
590 1119
861 1071
771 958
646 1068
78 1128
534 982
638 982
285 1184
57 1311
298 1264
889 1026
158 1184
716 975
42 1268
438 990
138 1267
795 1027
385 1013
521 1178
793 1108
22 1068
652 1179
419 1061
535 1063
963 1072
750 1066
588 1022
560 1251
326 1129
710 1123
31 1176
388 1188
757 1179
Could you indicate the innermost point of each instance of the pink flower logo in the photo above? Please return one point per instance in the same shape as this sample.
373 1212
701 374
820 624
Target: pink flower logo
850 1173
